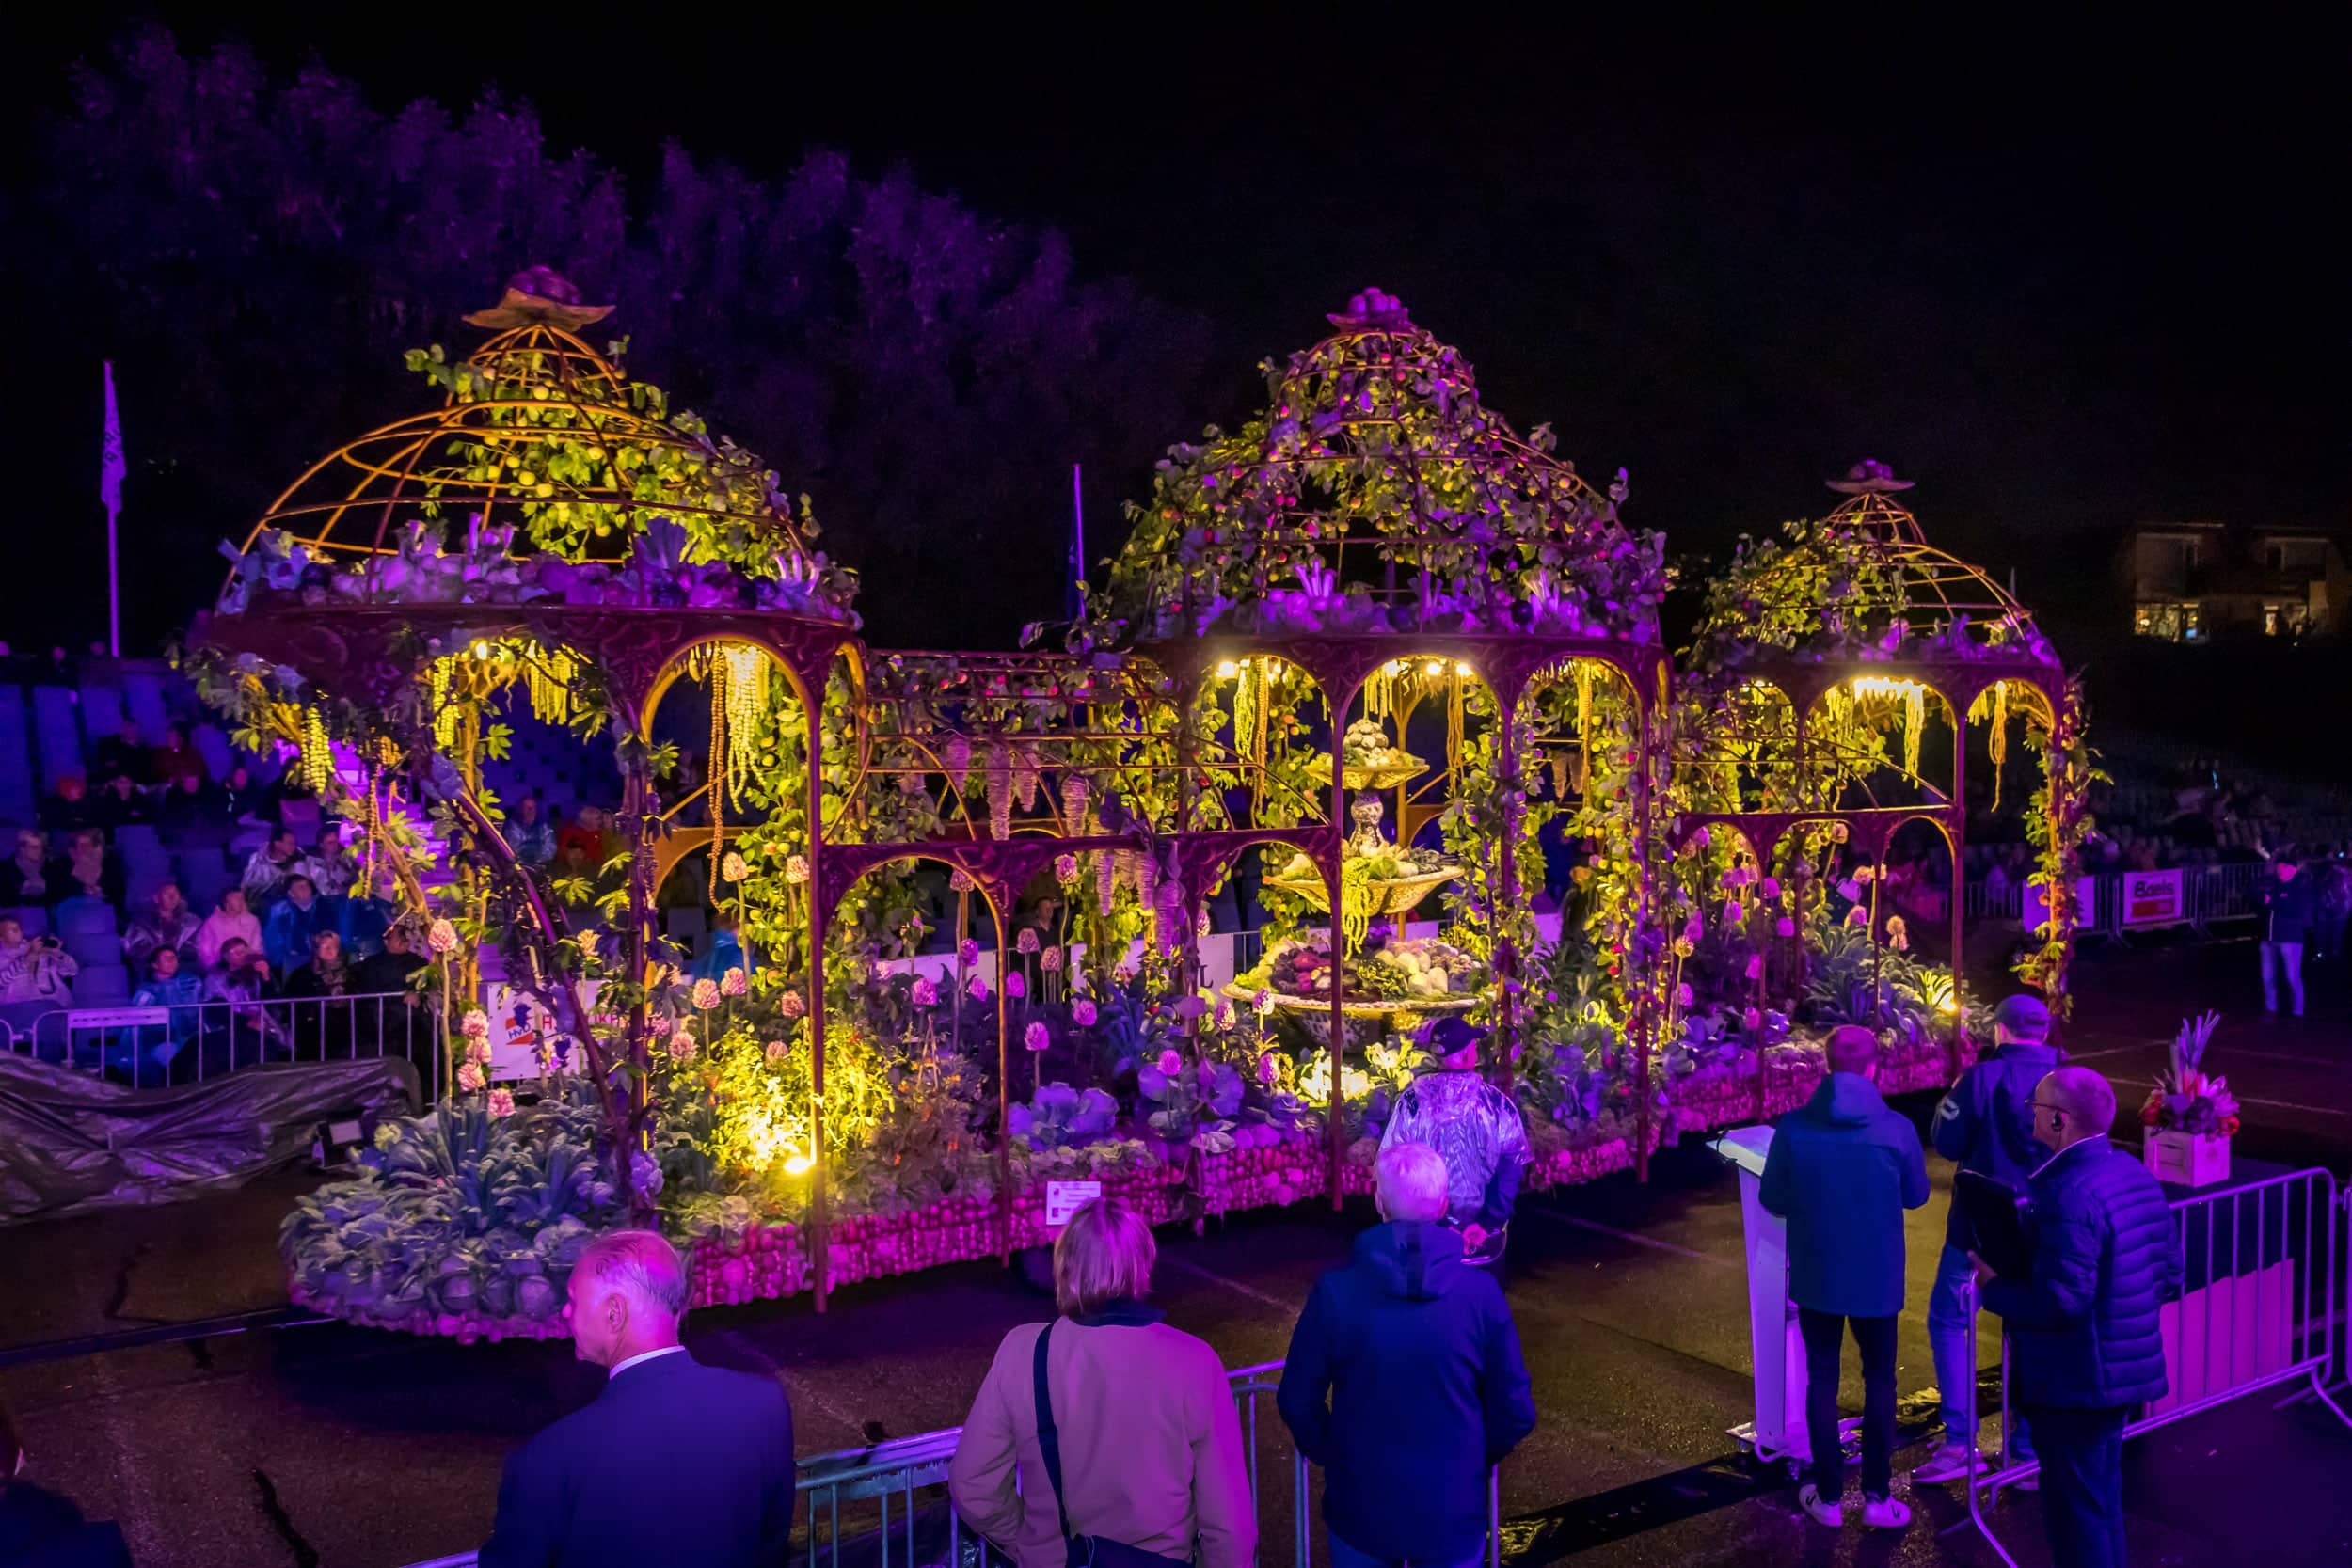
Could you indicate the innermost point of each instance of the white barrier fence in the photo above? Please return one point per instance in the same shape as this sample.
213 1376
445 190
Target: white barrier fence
894 1496
2116 902
148 1047
2263 1280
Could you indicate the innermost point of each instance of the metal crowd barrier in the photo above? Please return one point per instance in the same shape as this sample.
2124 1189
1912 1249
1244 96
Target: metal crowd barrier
907 1521
149 1047
2262 1264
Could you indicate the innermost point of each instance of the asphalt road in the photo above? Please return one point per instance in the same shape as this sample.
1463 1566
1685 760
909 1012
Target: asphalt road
322 1444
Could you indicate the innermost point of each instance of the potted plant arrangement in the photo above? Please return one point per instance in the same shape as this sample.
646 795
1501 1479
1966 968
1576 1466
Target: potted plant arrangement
2190 1117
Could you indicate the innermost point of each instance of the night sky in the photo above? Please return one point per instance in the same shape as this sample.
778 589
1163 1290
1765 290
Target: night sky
2064 279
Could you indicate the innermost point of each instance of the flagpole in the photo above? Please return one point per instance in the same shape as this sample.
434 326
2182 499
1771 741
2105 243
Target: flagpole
1077 542
110 491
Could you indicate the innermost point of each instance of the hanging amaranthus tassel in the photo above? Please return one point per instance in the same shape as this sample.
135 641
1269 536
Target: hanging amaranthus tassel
1999 740
1583 726
1454 723
1244 715
547 673
444 711
1380 692
318 754
957 754
1105 881
1915 723
999 768
1026 774
1074 804
740 677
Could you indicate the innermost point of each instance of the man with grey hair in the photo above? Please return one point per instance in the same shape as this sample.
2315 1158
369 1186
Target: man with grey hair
1405 1381
2085 1340
673 1461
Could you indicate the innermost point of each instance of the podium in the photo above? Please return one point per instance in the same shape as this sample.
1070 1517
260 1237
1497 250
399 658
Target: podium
1777 1433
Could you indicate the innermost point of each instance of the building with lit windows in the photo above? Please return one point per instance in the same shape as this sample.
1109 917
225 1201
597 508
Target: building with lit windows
2193 582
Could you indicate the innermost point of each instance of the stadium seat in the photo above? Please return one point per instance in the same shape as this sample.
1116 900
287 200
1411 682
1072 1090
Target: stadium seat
102 710
93 949
101 986
17 794
143 699
84 918
58 727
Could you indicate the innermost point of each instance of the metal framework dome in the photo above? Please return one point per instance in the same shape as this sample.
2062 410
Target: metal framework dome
544 443
1376 493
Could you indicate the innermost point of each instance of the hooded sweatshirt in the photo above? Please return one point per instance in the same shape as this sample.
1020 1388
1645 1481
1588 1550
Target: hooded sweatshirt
1842 1170
1984 1124
1405 1383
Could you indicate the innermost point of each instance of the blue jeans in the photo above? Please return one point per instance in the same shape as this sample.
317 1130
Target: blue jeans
2082 1486
1952 1337
1346 1555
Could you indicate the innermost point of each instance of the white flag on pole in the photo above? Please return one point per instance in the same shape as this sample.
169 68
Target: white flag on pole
110 465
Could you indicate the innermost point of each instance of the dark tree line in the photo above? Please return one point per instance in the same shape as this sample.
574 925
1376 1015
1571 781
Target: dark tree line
255 253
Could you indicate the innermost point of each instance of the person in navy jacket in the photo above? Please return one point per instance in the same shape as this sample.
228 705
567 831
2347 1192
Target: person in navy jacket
2085 1340
1842 1170
1405 1382
672 1462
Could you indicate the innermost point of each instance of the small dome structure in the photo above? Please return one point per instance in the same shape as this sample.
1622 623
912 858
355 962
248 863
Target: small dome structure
543 448
1377 492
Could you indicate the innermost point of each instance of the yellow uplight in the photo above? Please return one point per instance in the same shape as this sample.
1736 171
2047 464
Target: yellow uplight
1461 668
799 1165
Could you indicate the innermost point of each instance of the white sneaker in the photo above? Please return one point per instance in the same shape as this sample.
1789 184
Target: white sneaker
1831 1515
1886 1513
1949 1462
2023 1483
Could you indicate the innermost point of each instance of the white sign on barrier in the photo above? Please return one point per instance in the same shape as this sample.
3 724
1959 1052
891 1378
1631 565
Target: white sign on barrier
519 1027
2036 909
2153 898
116 1018
1065 1199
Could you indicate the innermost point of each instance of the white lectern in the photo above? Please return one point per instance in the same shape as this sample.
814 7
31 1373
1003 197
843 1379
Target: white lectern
1778 1431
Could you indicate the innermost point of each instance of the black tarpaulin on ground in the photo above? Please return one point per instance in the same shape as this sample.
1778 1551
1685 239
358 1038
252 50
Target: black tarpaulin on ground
71 1142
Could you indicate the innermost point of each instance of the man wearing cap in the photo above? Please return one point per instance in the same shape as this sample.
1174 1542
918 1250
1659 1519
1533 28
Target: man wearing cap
1475 1127
1985 1124
1842 1170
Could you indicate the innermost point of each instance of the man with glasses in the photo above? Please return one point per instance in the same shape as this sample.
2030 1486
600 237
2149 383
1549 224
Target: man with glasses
1984 1125
2085 1345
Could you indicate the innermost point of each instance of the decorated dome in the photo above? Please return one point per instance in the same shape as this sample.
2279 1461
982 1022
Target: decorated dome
1861 584
1375 493
545 473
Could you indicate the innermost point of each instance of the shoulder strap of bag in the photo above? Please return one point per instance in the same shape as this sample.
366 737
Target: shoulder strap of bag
1048 1436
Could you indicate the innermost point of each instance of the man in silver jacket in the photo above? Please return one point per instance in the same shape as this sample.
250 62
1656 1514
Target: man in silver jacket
1475 1127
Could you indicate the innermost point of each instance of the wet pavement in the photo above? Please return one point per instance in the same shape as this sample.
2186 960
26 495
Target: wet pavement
323 1444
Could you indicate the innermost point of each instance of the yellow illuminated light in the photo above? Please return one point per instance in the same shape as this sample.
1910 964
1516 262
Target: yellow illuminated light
1882 686
1435 667
1228 669
1461 668
482 650
799 1165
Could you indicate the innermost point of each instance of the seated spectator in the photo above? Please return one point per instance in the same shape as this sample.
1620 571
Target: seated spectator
165 921
404 1025
711 1482
531 834
329 867
168 985
24 876
240 974
293 920
1105 1425
186 804
40 1529
123 753
266 872
589 835
325 973
231 922
1405 1381
120 801
90 870
726 951
245 800
71 808
362 918
325 1027
175 759
38 971
1996 881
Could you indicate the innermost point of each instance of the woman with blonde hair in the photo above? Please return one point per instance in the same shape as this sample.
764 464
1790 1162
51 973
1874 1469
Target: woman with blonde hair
1120 1430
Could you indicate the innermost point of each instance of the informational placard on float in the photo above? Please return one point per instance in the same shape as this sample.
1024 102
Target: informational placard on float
2036 908
2154 898
1065 1199
521 1028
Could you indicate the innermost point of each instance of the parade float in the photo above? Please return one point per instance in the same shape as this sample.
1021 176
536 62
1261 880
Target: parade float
1375 654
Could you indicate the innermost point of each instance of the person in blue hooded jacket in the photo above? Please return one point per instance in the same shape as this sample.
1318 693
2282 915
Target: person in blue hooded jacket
1985 1124
1405 1382
2085 1330
1841 1171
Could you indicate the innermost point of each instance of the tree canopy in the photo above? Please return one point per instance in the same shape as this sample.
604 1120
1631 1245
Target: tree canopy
255 253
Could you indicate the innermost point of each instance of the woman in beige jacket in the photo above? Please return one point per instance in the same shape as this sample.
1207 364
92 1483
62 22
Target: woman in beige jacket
1150 1445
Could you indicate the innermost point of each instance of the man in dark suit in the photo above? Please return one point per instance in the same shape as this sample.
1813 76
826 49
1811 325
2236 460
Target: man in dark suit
673 1463
2085 1339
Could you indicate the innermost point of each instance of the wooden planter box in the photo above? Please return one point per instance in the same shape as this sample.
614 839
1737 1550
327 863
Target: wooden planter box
2187 1159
